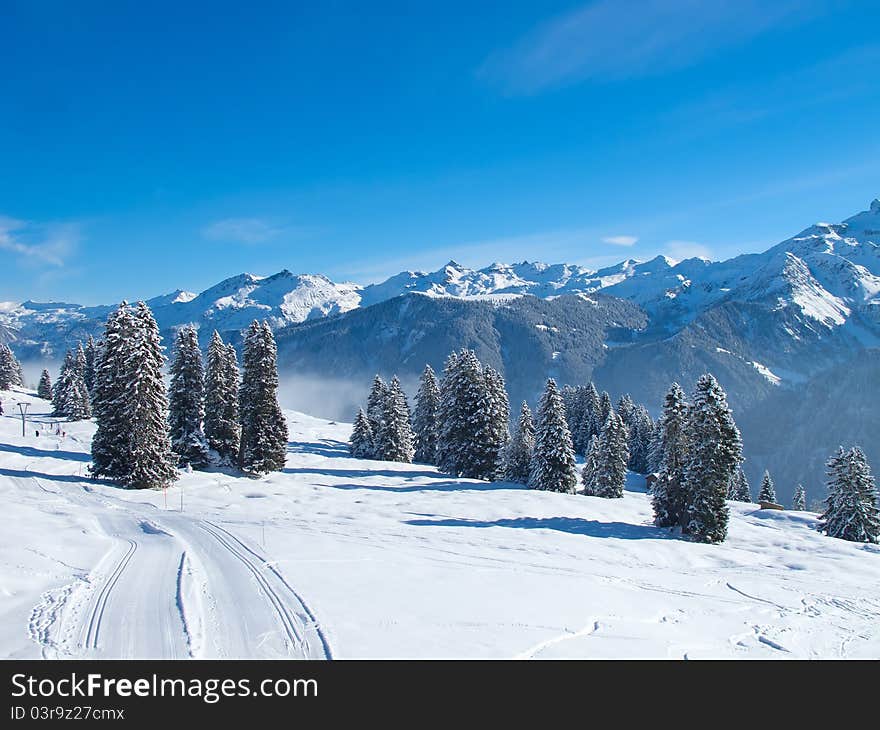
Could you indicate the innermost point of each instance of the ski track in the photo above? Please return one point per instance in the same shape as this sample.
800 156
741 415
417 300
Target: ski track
106 601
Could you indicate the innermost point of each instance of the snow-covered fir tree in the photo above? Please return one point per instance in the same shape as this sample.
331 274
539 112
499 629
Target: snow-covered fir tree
150 462
553 463
111 440
668 496
61 391
376 407
91 352
360 445
394 442
739 490
585 428
518 452
425 417
222 430
608 476
604 409
10 369
460 417
767 492
263 428
44 388
131 445
714 453
79 360
851 511
494 432
591 467
625 408
799 501
186 400
641 434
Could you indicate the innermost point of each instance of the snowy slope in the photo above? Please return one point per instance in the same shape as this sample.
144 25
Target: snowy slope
346 558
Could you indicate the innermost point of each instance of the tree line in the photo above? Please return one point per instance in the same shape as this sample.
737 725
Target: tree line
460 423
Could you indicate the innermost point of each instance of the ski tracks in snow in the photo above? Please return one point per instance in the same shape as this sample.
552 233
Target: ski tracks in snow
173 586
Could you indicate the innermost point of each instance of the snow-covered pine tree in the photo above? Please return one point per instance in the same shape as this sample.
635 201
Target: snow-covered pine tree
425 418
609 475
10 368
149 462
376 407
460 417
61 392
89 368
605 408
767 493
518 452
738 489
186 400
714 453
553 463
360 445
44 388
221 428
263 428
591 466
395 439
79 360
641 433
77 404
110 443
494 431
799 501
587 428
851 511
625 408
669 499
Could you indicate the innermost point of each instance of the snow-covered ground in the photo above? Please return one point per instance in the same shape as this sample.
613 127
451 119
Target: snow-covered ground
345 558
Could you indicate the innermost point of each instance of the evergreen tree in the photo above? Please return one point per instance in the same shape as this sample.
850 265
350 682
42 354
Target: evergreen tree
851 511
221 428
738 490
79 360
714 453
263 428
767 493
799 501
462 419
589 413
589 474
394 441
625 409
360 445
518 453
89 366
44 389
62 392
186 400
553 463
494 431
10 369
110 443
425 418
605 408
376 407
669 498
150 463
641 434
608 476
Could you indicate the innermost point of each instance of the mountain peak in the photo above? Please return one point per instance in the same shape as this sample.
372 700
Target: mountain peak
875 206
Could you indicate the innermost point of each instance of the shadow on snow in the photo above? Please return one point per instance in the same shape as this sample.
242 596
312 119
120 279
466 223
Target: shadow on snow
572 525
40 453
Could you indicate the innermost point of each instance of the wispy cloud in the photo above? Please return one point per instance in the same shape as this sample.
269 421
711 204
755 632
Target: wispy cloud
621 240
680 250
46 244
241 230
619 39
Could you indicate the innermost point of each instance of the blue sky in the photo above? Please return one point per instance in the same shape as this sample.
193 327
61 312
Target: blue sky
149 146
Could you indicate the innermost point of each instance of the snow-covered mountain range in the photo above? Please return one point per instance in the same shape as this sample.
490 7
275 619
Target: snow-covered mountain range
765 324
